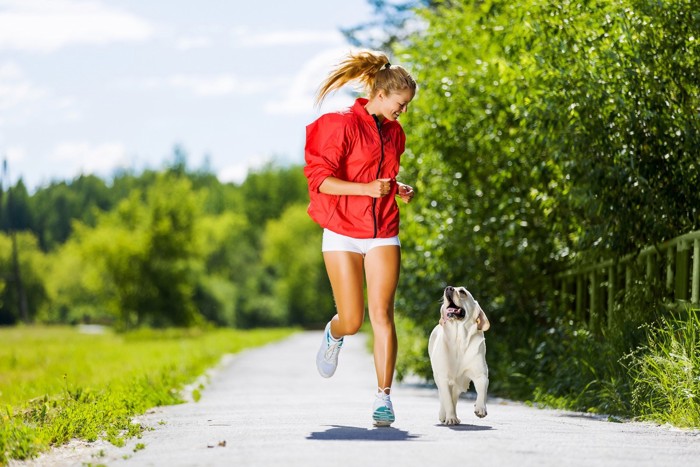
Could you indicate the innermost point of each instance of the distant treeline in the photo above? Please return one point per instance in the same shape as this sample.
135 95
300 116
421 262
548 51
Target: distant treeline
171 247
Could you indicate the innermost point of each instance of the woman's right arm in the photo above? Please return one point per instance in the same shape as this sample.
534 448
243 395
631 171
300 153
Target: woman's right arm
375 189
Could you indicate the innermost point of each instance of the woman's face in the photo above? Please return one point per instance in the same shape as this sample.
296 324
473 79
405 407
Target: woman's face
391 106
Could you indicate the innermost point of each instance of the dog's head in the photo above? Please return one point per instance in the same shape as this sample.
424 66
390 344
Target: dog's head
459 304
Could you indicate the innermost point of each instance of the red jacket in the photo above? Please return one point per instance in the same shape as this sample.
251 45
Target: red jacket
349 145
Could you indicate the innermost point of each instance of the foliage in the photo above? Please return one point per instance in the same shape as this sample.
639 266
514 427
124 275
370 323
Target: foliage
544 134
55 208
140 256
291 251
666 371
270 190
31 288
392 23
57 383
159 248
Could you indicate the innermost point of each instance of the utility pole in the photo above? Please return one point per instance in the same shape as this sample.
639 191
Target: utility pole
19 289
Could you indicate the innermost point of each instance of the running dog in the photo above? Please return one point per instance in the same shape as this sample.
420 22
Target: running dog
457 350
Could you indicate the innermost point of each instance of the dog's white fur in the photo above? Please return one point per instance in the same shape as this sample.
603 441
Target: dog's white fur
457 350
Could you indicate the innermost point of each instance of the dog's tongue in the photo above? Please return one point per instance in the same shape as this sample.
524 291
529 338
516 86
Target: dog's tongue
453 311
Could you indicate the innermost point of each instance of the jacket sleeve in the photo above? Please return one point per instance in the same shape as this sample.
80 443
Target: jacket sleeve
325 146
400 142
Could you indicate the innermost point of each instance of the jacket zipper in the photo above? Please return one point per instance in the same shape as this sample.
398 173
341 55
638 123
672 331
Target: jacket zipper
379 171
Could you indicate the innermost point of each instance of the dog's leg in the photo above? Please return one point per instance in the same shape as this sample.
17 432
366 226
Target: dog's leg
448 416
481 385
456 391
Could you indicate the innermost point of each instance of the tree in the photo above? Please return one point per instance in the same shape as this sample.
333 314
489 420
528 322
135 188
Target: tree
268 191
142 256
56 206
301 293
554 132
32 265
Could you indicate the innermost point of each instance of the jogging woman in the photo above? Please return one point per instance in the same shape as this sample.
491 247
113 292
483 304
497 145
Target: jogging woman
352 160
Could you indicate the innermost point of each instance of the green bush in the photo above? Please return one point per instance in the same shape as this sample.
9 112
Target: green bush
665 371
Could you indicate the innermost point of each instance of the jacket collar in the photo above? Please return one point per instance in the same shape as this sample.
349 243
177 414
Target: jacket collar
359 109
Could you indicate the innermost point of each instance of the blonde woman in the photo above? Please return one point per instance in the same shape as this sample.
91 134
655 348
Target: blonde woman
352 160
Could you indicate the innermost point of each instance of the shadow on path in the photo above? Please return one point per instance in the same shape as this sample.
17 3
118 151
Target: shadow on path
352 433
463 427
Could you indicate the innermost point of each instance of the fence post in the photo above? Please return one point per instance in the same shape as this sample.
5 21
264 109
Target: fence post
612 281
563 293
595 308
579 297
695 297
682 266
670 256
652 272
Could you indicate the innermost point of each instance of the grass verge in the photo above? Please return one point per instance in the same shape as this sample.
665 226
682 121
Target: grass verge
666 371
57 383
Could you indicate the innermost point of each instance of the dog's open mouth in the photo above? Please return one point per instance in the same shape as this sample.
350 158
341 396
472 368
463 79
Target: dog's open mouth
454 312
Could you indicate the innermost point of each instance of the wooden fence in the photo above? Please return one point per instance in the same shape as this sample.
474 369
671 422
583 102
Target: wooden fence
591 291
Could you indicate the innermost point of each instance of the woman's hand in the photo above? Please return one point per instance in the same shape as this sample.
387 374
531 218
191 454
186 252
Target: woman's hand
405 192
379 187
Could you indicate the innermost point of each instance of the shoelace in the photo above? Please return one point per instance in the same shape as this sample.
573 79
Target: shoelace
384 398
333 348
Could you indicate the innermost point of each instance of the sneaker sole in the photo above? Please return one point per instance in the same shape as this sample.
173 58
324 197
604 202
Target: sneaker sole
383 418
382 424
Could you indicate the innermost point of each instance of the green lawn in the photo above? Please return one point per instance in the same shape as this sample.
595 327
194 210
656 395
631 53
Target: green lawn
57 383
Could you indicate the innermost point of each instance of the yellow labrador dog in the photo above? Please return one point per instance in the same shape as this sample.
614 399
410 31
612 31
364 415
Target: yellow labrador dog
457 350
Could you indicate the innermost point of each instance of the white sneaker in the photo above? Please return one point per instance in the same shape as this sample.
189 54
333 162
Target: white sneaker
327 356
383 410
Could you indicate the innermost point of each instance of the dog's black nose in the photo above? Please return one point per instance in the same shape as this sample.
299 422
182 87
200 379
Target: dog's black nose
449 289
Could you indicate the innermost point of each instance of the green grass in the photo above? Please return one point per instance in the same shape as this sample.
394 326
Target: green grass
666 372
57 384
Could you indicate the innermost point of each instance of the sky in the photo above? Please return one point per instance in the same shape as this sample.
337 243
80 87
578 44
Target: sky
92 86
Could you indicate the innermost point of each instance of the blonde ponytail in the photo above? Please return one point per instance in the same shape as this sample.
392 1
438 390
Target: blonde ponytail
370 68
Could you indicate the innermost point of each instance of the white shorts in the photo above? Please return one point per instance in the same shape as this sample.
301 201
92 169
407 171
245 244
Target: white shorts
335 242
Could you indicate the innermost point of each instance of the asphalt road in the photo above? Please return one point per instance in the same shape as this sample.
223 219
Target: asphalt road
269 407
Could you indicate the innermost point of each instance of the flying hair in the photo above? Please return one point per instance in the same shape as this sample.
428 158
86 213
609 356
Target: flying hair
371 69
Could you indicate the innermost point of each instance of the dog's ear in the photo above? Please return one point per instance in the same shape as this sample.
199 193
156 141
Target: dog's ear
482 322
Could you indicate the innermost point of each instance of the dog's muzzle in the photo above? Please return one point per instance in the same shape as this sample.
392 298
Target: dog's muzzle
452 311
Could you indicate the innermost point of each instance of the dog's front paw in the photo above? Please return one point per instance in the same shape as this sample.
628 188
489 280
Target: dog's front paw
451 420
480 411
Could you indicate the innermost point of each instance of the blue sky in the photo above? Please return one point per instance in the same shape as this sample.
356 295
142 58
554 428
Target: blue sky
88 86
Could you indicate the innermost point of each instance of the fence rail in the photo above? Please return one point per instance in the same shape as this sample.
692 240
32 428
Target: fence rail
590 291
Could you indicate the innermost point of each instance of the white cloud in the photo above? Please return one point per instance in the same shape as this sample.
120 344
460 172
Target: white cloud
221 84
84 157
10 71
15 154
15 89
299 95
21 99
47 25
237 173
18 96
243 37
68 109
192 43
207 86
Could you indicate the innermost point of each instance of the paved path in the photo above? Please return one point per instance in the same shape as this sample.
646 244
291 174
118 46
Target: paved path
270 408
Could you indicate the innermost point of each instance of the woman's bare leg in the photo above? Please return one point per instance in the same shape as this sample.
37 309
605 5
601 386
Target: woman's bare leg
345 273
382 270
